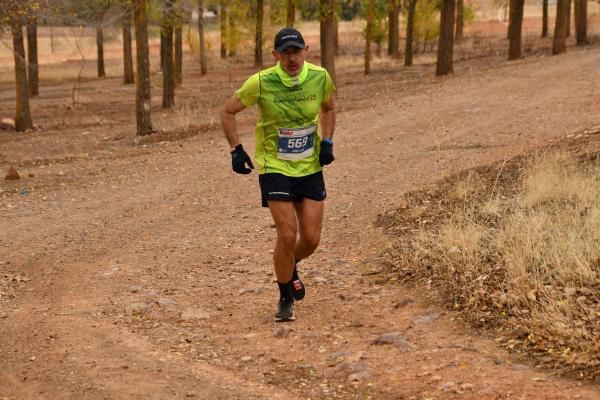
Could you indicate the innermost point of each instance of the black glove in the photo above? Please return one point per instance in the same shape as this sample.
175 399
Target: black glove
326 153
239 159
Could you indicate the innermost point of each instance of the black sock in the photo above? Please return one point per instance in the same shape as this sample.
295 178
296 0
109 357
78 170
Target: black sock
285 290
295 275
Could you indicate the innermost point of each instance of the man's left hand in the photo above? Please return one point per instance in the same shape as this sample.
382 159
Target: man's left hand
326 153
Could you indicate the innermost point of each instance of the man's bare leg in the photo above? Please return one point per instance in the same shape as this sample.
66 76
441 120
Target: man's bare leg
284 217
310 221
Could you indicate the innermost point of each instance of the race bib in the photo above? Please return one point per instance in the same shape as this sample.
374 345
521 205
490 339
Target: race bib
296 143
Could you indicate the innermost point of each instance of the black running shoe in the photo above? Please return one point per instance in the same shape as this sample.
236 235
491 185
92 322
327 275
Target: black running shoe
298 290
285 310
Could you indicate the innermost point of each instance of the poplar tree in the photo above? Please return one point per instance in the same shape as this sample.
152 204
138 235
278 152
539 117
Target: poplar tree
12 12
410 30
203 68
142 93
258 42
32 56
395 7
327 37
515 25
446 40
560 27
369 35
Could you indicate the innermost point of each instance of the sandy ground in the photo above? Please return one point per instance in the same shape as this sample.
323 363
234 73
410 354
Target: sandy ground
142 269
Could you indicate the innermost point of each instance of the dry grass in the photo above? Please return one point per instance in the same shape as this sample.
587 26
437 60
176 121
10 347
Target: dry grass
518 252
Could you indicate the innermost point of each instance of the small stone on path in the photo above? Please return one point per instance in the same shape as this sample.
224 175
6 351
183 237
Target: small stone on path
395 339
282 332
7 124
165 301
427 318
135 289
12 174
403 303
358 376
194 313
136 308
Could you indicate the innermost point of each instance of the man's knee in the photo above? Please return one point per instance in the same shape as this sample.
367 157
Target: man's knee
312 240
287 237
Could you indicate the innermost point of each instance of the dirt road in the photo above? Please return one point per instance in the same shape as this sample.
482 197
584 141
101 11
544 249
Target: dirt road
142 270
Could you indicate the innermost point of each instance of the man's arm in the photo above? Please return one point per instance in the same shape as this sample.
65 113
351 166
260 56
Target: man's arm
327 119
232 107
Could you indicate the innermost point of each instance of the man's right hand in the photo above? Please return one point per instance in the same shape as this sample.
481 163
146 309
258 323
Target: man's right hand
239 159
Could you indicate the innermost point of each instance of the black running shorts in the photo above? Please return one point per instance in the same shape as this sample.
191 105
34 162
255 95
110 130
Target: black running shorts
290 188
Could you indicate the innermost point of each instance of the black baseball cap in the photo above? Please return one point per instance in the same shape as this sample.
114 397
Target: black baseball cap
288 37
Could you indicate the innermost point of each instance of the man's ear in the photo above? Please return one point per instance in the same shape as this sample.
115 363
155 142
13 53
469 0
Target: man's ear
306 47
275 55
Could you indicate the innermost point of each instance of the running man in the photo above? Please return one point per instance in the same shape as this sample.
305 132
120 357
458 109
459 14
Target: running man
290 154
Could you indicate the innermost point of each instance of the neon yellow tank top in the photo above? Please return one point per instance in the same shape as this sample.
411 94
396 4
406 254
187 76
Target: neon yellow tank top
287 139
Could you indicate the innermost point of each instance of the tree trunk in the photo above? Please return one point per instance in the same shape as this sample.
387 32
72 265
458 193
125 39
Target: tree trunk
291 13
515 28
258 41
142 92
202 40
369 34
327 37
223 23
560 27
168 63
581 22
569 19
128 77
460 19
232 35
446 43
545 18
179 52
51 39
336 36
410 29
23 113
32 57
100 48
394 28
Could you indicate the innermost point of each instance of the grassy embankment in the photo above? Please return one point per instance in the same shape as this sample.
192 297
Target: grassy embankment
515 250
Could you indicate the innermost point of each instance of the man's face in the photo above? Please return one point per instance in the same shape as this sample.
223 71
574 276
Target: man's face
291 59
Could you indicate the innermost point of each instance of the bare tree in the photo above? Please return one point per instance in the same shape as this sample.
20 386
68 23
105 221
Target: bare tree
128 77
32 56
368 36
460 19
515 25
544 18
560 27
166 29
395 7
410 29
142 93
223 25
100 51
201 35
178 51
291 13
327 37
581 22
569 19
23 114
258 60
446 42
